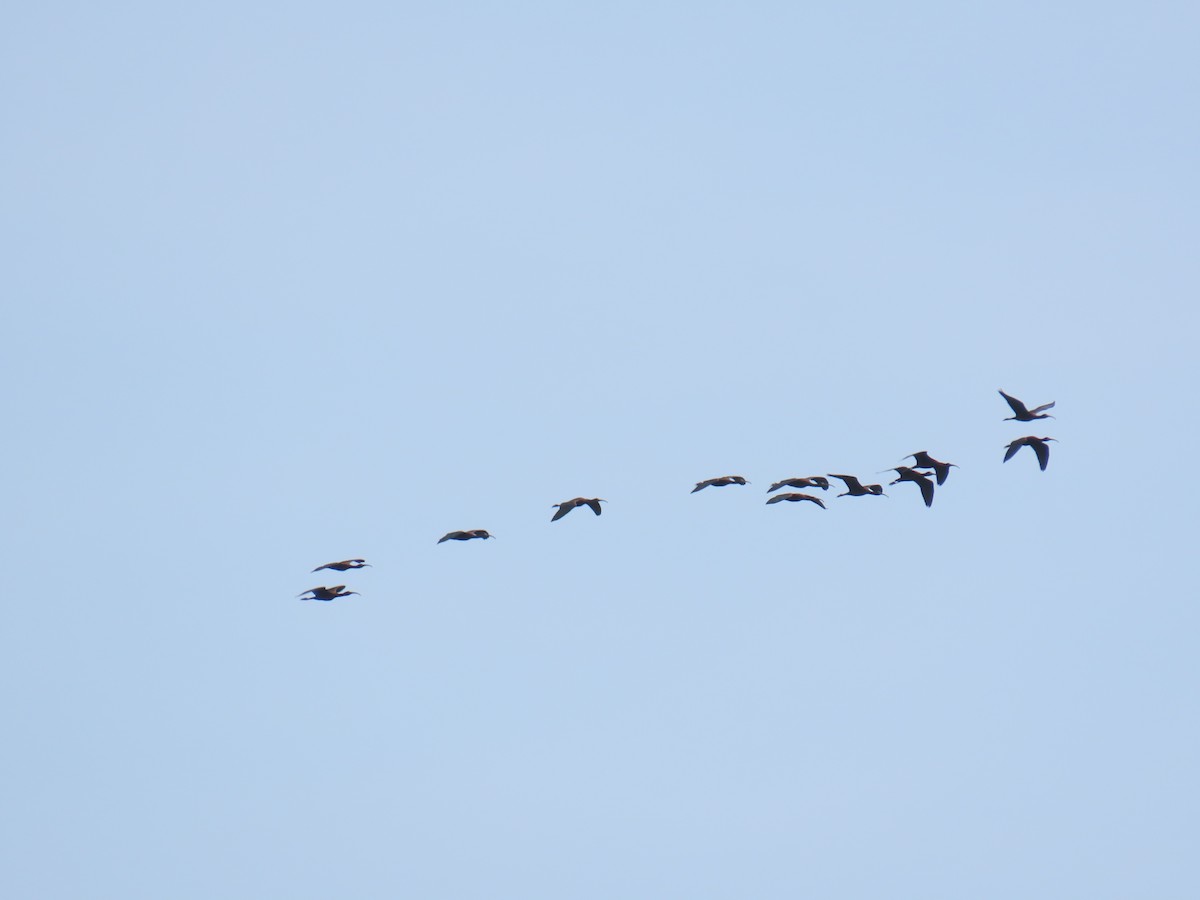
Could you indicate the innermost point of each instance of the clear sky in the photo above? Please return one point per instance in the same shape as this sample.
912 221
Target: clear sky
289 283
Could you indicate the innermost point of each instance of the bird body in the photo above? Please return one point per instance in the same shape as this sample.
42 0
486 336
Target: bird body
812 481
922 460
567 505
466 535
920 479
719 482
855 488
1037 444
1021 414
326 593
344 565
795 498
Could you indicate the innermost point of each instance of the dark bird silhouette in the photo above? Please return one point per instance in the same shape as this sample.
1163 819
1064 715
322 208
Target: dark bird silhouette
465 535
795 498
1021 414
344 565
1039 447
922 460
567 505
326 593
920 479
855 488
719 482
812 481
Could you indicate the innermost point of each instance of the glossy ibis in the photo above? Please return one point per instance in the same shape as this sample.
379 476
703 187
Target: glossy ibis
326 593
466 535
812 481
1039 447
719 482
920 479
1021 414
344 565
795 498
567 505
855 488
922 460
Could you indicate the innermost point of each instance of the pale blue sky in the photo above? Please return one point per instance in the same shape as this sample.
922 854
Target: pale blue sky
294 283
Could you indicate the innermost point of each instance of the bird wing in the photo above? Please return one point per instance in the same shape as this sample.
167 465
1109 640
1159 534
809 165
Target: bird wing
779 497
448 536
1018 407
701 485
941 470
851 481
819 481
776 486
1042 408
1013 448
563 509
594 504
326 566
926 490
816 500
1042 449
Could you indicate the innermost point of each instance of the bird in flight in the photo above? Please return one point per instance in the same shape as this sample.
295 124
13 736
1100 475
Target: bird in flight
465 535
920 479
1021 414
326 593
719 482
1039 447
812 481
567 505
922 460
344 565
795 498
855 488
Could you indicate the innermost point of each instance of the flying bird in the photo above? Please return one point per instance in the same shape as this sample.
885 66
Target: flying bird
344 565
855 488
326 593
795 498
1039 447
719 482
812 481
567 505
1021 414
920 479
466 535
922 460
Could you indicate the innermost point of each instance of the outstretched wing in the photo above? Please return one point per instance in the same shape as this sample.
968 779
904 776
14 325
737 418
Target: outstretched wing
563 509
926 490
1042 449
1042 408
852 483
1013 448
701 485
594 504
1018 407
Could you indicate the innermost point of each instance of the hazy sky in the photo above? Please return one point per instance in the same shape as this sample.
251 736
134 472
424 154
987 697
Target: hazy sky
297 282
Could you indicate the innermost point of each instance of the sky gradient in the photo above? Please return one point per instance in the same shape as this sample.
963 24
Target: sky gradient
296 283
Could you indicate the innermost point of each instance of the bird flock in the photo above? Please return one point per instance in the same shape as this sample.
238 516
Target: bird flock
925 481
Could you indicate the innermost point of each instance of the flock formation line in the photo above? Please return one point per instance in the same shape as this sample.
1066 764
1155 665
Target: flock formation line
939 472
